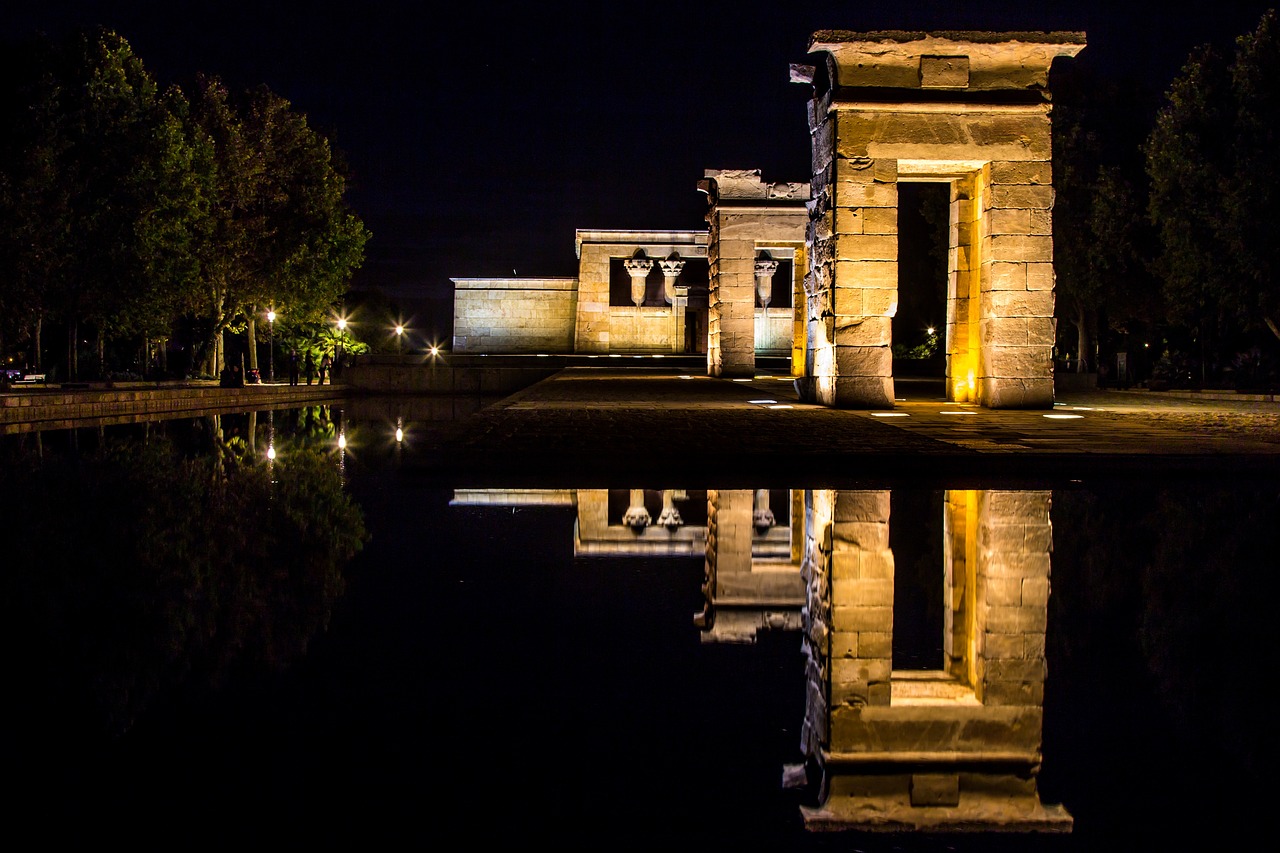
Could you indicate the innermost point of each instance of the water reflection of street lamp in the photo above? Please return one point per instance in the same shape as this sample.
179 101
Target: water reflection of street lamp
271 443
271 349
399 438
342 448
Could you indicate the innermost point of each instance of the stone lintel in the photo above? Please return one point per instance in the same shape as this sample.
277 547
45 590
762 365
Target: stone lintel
727 185
946 61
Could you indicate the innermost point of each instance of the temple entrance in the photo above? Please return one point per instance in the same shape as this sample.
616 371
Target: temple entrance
919 325
966 111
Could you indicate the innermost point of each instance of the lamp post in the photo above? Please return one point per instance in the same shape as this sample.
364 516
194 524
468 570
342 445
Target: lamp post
399 338
271 346
342 330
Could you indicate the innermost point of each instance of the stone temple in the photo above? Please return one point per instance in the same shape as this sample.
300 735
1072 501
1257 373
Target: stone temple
810 269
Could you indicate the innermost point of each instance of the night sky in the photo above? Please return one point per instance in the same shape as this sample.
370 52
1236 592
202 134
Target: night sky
480 135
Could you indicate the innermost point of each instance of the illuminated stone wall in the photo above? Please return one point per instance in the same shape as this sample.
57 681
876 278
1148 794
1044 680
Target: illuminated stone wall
600 328
968 109
513 315
745 216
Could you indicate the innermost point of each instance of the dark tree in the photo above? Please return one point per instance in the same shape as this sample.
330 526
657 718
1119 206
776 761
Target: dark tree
1214 201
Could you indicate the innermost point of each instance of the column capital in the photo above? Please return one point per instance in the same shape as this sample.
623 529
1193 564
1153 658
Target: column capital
638 267
764 266
671 269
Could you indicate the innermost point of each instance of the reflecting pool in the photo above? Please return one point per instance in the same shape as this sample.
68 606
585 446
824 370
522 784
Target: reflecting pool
271 626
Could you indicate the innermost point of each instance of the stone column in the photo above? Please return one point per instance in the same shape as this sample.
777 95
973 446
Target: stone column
636 517
762 516
765 269
963 265
671 270
865 277
728 555
638 269
670 516
847 568
1016 325
677 297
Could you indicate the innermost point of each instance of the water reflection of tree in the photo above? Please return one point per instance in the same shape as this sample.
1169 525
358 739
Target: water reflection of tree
141 573
1160 637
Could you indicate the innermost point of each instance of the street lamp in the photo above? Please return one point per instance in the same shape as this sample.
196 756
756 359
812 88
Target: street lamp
399 337
271 346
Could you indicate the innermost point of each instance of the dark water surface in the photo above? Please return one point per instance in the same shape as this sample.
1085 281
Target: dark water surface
482 675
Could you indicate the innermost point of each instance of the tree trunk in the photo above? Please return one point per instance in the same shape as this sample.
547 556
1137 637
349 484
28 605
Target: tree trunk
73 361
35 345
1084 340
102 354
1272 326
253 343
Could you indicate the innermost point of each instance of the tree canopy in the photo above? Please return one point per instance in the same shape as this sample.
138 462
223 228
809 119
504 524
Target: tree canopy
130 208
1212 164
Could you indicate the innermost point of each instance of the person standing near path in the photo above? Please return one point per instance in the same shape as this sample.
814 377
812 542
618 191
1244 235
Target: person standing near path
309 367
293 367
325 363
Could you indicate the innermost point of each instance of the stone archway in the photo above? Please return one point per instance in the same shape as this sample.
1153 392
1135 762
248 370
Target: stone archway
971 109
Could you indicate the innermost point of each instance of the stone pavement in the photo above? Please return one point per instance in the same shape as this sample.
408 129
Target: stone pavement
600 427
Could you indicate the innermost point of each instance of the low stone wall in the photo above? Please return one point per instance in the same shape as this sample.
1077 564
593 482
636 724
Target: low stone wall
472 377
514 315
44 408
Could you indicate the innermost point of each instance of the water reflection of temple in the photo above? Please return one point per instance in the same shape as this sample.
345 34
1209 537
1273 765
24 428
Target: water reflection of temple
953 748
900 733
751 548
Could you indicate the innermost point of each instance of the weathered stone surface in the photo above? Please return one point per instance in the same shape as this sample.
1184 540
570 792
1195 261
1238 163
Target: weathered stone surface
859 670
1007 276
858 505
944 72
1007 393
862 591
857 194
935 789
926 135
1018 362
870 535
993 61
1009 221
854 361
1013 693
1019 247
1018 561
1008 195
1016 620
867 247
1011 303
864 331
861 392
866 274
1034 172
1040 276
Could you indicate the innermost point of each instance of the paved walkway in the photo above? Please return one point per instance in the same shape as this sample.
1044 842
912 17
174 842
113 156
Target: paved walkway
599 427
589 426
